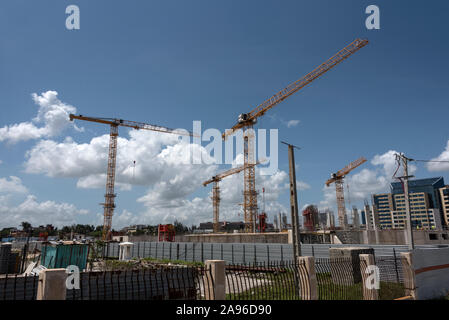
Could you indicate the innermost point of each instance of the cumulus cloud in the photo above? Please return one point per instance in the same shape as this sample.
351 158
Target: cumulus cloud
12 185
145 158
200 209
52 118
38 213
440 166
365 182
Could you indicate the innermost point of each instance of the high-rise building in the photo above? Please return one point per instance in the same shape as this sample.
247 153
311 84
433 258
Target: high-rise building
426 204
355 218
422 215
384 205
444 198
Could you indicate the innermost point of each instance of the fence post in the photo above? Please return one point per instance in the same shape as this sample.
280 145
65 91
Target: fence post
52 284
282 255
169 248
215 289
177 251
409 275
309 287
255 255
232 253
396 265
202 252
370 290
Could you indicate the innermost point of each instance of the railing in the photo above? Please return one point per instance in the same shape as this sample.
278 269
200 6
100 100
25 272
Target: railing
273 281
391 278
232 253
338 279
18 287
162 283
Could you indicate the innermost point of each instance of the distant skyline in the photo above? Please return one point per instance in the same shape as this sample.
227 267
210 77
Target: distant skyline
172 63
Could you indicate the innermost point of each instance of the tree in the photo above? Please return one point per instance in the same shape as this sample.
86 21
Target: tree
26 226
179 227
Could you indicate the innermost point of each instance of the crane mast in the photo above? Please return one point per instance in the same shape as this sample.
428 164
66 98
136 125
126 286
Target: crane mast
109 197
247 120
338 179
216 191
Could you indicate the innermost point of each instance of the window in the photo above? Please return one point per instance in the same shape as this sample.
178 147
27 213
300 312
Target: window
433 236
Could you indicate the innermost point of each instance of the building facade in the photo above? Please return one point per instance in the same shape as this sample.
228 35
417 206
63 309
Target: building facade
426 205
444 198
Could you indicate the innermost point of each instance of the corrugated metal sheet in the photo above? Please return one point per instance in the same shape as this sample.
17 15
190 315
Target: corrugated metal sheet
242 252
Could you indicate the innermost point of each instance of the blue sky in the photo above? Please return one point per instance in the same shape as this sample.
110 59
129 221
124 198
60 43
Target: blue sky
172 62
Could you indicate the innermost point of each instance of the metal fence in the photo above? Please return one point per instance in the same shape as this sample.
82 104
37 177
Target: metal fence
338 279
391 277
18 287
242 253
162 283
270 281
232 253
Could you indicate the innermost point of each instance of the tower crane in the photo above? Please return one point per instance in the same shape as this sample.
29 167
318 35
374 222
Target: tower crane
247 120
337 178
109 203
216 191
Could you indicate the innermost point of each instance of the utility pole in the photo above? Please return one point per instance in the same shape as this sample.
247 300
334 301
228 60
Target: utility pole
294 201
409 231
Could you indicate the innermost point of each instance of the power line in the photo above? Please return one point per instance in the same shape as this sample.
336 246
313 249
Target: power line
430 160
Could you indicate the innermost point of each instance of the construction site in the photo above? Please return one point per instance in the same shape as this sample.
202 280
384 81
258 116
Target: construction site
341 221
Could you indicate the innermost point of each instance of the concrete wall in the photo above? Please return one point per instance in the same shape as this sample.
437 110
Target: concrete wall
144 237
398 237
431 267
269 237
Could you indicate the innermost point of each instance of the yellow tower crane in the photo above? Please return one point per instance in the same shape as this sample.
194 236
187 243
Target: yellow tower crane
247 120
337 178
109 203
216 191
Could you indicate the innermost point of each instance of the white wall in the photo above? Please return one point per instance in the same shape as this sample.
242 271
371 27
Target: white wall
431 268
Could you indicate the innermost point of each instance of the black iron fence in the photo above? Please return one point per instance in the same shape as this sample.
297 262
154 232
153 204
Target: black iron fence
265 281
162 283
18 287
338 279
391 277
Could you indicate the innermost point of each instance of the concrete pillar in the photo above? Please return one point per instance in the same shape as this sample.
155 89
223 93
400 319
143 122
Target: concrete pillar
52 284
309 284
215 280
409 275
370 292
125 251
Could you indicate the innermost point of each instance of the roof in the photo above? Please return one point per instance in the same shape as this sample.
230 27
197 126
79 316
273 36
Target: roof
420 183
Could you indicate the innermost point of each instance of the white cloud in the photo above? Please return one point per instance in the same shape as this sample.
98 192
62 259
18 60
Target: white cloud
13 185
160 208
292 123
38 213
161 161
365 182
52 116
440 166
